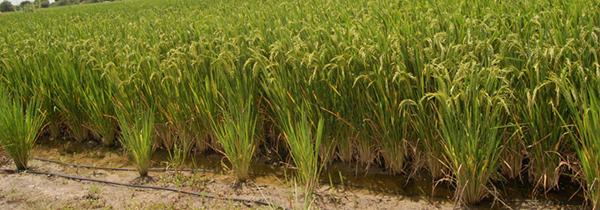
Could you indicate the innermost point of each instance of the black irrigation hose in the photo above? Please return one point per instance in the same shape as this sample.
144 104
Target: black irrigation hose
115 169
204 195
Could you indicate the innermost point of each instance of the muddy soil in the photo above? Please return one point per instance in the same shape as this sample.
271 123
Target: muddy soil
29 191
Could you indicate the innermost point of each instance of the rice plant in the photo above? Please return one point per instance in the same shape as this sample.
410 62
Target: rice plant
389 120
583 99
97 101
545 137
137 132
537 113
20 125
470 109
300 122
430 144
234 120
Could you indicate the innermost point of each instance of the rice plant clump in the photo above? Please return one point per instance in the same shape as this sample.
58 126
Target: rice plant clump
471 109
20 125
544 137
583 99
235 117
304 142
303 136
137 132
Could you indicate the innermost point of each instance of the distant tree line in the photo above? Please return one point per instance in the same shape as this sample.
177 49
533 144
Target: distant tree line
7 6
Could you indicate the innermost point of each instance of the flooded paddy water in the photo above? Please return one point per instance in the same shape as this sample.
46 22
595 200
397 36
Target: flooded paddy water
343 186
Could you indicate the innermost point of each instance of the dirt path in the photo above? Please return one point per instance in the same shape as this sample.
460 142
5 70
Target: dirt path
29 191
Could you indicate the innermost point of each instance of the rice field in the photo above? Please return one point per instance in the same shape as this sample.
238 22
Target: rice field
472 93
